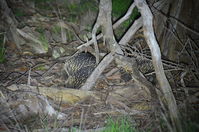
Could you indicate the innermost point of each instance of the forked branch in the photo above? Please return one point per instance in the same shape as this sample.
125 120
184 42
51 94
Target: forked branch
169 98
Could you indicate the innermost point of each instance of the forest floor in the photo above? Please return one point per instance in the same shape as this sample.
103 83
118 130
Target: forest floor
115 96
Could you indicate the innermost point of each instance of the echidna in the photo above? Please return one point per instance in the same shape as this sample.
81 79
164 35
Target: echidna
78 69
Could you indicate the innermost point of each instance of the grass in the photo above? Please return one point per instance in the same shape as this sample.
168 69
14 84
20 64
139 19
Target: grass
122 124
44 41
56 29
40 29
119 125
42 38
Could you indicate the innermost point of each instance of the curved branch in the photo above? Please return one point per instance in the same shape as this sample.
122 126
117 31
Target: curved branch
157 63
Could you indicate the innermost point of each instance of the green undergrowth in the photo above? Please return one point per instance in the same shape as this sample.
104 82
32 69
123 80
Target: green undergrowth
120 7
78 9
122 124
2 49
44 41
19 13
56 29
40 29
42 38
41 4
190 122
85 6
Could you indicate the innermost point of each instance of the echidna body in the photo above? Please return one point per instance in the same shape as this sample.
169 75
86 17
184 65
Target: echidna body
78 69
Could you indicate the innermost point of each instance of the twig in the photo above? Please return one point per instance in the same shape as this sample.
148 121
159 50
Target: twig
81 120
183 83
29 77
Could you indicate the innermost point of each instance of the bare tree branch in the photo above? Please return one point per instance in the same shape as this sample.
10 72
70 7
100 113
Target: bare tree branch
105 10
131 31
157 63
109 58
124 18
97 72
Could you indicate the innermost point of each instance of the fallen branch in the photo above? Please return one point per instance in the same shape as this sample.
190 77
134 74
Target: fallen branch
20 106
